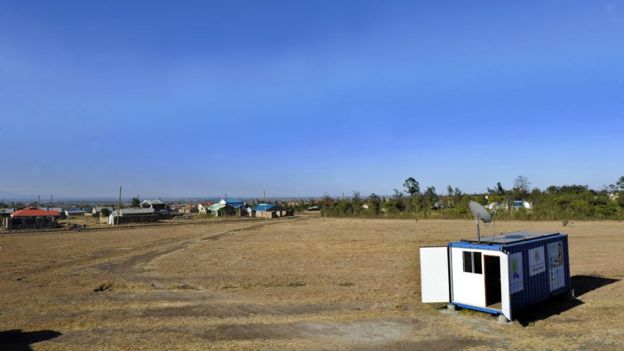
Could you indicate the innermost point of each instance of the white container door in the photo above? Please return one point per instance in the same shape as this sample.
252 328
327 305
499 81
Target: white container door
434 276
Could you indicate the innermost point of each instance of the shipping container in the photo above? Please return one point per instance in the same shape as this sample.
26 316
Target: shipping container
500 274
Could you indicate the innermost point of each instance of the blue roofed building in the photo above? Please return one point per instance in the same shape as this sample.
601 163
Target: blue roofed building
268 210
228 207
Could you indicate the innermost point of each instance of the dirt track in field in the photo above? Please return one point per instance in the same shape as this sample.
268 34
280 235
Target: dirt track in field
300 284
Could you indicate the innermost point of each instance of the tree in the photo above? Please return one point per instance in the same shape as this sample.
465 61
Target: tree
411 186
620 183
357 202
457 194
521 187
430 197
499 189
136 202
374 203
449 196
105 212
397 203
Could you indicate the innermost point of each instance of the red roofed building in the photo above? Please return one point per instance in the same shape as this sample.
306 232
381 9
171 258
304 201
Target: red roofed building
32 218
35 212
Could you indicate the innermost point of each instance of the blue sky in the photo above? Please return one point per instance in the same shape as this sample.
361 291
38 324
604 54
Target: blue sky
305 98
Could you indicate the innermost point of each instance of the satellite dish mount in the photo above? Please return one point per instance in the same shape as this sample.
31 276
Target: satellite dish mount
480 213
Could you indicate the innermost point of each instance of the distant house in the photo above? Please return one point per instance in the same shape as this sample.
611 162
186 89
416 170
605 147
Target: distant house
236 203
518 204
271 211
202 207
239 206
6 212
190 208
221 210
157 205
133 215
74 211
227 207
32 218
98 209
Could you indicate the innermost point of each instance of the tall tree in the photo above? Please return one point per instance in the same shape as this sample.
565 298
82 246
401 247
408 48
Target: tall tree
521 187
499 189
357 202
411 186
430 197
374 203
620 183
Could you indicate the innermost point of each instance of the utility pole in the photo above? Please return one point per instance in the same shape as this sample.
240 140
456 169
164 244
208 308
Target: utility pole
51 200
265 196
118 209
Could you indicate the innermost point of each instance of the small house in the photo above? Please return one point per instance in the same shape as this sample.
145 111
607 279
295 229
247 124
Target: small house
239 206
222 210
133 215
6 212
203 207
189 208
265 210
32 218
157 205
98 209
74 212
518 204
500 274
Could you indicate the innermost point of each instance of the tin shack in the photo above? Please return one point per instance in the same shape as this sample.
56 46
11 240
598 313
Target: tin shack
499 274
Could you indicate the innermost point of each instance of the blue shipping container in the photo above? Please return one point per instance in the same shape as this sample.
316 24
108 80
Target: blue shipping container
500 274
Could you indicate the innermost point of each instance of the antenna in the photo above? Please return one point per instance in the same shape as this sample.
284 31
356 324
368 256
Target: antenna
480 213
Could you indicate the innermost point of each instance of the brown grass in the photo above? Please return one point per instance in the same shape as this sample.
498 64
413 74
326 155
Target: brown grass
305 284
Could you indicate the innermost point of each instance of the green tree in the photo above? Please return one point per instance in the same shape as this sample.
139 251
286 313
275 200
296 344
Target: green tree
430 198
136 202
449 196
374 203
357 202
620 183
521 188
411 186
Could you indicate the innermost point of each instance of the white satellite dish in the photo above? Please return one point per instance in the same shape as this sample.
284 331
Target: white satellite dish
480 213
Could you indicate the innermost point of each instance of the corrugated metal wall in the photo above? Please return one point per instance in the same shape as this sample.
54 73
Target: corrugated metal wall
537 287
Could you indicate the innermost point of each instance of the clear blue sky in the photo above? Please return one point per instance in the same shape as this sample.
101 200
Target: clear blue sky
200 98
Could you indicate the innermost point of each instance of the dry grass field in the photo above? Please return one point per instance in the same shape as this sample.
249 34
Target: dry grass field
297 284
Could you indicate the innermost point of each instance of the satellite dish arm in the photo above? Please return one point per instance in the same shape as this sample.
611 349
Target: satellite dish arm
477 217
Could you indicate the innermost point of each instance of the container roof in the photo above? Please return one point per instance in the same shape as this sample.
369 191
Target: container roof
509 238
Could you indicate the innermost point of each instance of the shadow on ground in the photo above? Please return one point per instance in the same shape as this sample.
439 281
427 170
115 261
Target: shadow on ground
19 340
582 284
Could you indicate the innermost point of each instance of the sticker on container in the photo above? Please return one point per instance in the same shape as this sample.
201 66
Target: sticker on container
555 265
537 264
516 282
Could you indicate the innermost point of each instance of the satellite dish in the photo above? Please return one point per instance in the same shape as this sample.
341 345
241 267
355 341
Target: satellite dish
480 213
